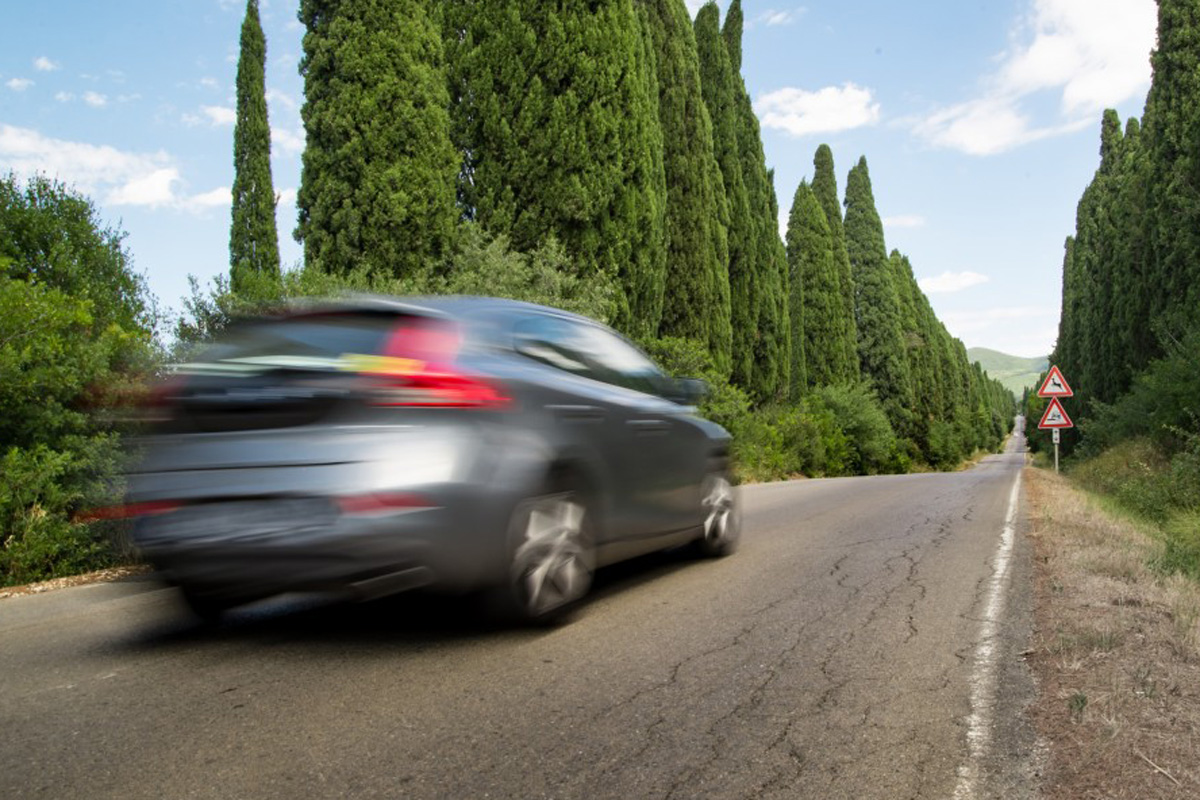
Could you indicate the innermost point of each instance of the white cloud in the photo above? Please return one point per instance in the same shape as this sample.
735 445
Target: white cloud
19 84
285 197
952 282
286 141
1092 53
1027 331
219 115
153 189
43 64
279 97
116 176
216 198
772 17
95 99
829 110
64 97
960 322
904 221
209 83
1096 51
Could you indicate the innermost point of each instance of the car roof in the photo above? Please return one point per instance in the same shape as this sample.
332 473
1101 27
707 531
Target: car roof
465 306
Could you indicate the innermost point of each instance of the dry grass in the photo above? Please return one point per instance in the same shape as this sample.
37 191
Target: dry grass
1116 652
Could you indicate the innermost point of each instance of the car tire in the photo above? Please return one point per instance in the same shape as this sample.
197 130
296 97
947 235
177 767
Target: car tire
551 559
722 525
208 609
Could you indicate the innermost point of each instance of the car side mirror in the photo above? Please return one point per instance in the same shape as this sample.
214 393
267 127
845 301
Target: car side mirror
686 391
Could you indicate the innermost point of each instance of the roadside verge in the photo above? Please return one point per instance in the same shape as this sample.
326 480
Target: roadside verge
1116 653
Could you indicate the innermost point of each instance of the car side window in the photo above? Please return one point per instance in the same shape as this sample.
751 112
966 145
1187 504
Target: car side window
589 351
552 341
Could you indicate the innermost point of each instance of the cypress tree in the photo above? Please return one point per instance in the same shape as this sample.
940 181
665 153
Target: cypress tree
1172 130
253 238
877 304
768 259
717 86
697 279
732 34
556 112
825 188
816 300
377 187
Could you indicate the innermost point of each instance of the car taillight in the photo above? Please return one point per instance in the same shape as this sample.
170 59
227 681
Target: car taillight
377 503
129 511
417 369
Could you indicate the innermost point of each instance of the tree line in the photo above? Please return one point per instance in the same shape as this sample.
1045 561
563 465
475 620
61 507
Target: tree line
623 131
1129 334
1131 270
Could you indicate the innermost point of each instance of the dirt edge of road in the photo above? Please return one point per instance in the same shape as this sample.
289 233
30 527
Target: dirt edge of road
99 576
1115 651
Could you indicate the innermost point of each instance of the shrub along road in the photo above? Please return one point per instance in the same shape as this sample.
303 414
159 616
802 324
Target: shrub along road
839 653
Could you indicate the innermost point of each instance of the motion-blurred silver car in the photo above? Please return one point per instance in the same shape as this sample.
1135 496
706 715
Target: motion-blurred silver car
377 445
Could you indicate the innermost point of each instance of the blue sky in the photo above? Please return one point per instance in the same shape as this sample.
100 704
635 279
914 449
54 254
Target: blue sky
979 120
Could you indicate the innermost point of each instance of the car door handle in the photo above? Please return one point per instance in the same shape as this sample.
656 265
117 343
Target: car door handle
649 427
577 413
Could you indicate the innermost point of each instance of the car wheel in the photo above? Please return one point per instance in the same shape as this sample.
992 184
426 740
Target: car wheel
722 517
552 558
207 608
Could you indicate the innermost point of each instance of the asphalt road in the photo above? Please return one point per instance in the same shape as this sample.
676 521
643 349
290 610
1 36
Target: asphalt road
863 643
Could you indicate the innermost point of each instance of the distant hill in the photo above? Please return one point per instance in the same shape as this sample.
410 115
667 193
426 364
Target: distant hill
1014 372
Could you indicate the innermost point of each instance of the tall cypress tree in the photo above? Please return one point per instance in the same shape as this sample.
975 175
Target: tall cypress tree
816 299
253 238
717 86
825 188
768 259
377 188
697 278
1172 133
556 112
877 303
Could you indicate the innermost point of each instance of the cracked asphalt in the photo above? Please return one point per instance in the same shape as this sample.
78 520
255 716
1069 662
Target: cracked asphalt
831 657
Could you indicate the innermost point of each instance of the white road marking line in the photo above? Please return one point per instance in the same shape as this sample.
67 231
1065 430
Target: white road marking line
983 678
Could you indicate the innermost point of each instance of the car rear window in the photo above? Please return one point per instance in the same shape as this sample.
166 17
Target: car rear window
305 337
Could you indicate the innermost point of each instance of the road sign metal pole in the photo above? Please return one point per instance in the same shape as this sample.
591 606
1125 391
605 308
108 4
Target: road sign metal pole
1056 436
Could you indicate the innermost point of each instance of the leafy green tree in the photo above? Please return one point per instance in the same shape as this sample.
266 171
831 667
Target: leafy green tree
877 304
253 239
53 236
717 85
696 302
75 326
556 117
377 188
846 335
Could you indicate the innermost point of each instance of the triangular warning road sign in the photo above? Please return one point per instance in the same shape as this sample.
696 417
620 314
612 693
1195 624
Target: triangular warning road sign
1055 385
1055 416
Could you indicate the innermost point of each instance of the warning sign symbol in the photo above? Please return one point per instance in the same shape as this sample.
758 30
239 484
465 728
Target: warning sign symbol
1055 416
1055 385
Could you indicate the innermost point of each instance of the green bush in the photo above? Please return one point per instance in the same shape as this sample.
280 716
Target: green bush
873 447
1135 473
76 329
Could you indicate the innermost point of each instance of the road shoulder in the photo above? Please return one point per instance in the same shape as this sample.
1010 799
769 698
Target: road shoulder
1115 651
